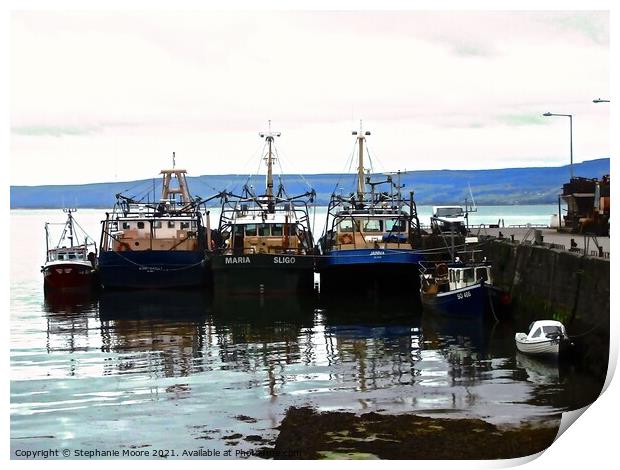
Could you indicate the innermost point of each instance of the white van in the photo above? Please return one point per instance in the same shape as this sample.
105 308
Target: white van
445 218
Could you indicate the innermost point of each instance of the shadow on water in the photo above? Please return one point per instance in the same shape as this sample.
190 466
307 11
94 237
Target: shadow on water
152 305
260 312
160 332
395 309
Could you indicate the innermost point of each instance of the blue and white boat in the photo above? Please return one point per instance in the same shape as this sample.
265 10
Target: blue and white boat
463 289
159 244
368 242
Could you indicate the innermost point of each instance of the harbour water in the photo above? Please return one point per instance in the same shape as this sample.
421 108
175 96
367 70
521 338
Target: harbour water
143 372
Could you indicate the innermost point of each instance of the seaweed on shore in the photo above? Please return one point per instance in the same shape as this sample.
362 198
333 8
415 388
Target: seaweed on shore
308 434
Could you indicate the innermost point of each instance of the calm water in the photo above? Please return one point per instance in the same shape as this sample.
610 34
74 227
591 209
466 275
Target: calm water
183 370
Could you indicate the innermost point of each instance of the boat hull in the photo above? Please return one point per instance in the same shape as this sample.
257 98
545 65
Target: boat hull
263 273
152 269
68 276
476 301
384 272
539 348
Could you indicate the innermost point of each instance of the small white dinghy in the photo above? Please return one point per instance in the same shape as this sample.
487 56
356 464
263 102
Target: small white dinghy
543 339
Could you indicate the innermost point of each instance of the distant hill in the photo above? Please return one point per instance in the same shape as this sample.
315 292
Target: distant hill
534 185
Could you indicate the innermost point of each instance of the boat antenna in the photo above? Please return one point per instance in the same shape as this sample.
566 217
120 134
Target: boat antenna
361 137
69 224
269 138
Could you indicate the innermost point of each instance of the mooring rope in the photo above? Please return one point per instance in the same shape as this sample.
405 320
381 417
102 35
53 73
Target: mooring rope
491 305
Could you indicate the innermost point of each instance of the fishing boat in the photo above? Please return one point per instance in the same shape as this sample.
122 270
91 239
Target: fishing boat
159 244
462 288
265 242
545 338
70 264
368 242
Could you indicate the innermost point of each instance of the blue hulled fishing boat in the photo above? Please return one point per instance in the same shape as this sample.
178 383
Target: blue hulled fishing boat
156 244
462 288
368 242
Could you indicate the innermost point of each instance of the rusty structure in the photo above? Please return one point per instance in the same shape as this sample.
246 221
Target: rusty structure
588 202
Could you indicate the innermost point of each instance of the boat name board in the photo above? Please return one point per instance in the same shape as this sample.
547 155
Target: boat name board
463 295
377 253
247 260
237 260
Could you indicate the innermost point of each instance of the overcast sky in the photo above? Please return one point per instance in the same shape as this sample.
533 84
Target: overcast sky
109 96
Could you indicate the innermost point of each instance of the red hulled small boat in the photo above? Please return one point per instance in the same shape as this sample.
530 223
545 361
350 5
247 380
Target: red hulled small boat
70 265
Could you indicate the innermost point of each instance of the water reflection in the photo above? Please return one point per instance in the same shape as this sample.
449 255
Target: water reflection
538 371
372 344
263 336
69 317
159 332
177 345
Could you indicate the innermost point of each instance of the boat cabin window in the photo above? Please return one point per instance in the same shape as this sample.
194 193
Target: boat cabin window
345 225
171 224
250 230
468 275
61 256
263 230
126 225
372 225
395 225
140 224
277 230
157 224
537 333
184 225
551 329
481 273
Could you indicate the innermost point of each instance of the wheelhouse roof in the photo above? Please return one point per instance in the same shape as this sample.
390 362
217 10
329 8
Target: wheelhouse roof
376 213
539 323
268 219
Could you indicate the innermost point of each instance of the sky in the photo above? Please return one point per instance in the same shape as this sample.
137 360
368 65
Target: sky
108 96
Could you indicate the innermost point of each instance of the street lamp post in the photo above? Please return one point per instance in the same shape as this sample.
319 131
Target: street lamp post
570 116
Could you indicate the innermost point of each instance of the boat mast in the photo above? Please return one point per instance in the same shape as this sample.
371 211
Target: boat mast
69 224
47 241
269 137
182 189
361 187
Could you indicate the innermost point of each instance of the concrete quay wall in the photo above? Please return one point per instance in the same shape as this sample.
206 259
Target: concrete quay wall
556 284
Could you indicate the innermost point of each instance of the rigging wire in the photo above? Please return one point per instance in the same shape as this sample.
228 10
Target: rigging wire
304 180
381 165
348 169
245 165
260 161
